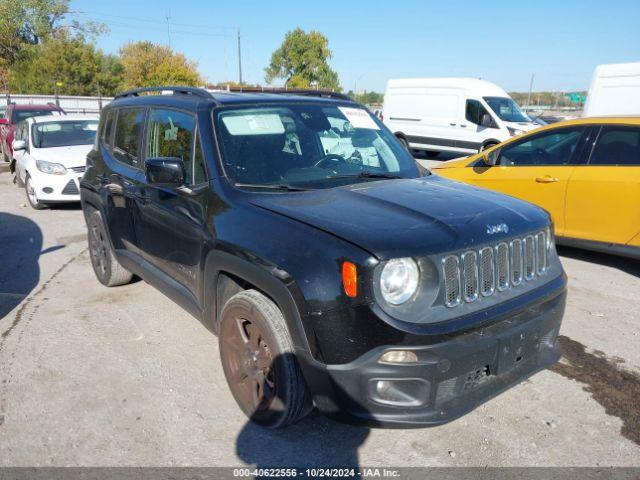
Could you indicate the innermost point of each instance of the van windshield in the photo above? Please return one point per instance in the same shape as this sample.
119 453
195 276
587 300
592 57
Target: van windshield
308 146
507 109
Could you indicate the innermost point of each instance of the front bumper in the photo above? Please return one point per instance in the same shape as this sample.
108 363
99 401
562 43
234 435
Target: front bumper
451 378
56 188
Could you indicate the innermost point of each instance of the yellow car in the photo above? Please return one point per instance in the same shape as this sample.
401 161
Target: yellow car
585 172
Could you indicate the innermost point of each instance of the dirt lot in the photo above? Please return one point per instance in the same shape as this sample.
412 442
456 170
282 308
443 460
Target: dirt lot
122 376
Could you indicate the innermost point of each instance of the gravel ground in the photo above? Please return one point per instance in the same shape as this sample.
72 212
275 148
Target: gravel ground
122 376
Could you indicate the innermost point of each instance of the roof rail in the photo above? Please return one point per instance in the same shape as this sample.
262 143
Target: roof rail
308 92
177 90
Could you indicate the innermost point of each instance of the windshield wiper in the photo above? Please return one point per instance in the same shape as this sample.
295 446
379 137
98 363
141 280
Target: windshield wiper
367 175
271 186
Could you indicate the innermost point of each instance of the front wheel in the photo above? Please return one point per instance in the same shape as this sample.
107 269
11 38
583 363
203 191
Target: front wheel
257 356
486 146
32 195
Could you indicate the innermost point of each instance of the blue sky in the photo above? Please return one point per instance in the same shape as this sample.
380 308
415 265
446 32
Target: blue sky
505 42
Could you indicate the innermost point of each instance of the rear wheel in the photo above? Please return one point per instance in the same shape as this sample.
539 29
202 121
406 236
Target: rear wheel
257 356
486 146
105 265
404 142
32 195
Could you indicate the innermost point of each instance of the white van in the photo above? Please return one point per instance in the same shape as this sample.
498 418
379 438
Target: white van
463 115
614 90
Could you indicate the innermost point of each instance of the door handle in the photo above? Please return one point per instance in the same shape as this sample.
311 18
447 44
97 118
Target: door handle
463 126
546 179
452 124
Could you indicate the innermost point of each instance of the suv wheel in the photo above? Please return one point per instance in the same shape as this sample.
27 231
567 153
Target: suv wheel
257 356
32 196
105 265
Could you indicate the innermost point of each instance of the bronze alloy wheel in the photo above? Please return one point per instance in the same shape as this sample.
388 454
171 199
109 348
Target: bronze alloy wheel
258 361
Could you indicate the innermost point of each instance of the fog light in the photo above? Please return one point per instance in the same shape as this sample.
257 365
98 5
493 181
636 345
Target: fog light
411 392
47 190
399 356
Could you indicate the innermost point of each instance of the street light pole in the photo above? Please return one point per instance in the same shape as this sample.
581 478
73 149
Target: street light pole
239 60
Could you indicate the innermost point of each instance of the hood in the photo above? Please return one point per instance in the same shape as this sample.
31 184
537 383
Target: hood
407 217
524 126
456 162
74 156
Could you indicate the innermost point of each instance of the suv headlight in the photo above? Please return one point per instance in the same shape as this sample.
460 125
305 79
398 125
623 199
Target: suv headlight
51 168
399 280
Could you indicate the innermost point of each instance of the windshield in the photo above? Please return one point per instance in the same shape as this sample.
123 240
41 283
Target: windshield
20 115
506 109
64 133
308 146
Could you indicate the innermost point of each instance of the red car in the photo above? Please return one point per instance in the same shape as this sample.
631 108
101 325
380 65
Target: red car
13 115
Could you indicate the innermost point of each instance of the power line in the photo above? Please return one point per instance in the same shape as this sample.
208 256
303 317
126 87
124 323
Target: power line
96 15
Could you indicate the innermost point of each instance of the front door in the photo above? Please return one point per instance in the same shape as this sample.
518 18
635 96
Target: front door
536 168
172 221
603 197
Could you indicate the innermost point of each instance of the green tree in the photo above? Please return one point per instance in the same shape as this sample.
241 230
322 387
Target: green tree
31 22
147 64
77 65
302 61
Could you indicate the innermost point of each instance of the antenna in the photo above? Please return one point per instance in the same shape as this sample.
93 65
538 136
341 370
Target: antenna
167 16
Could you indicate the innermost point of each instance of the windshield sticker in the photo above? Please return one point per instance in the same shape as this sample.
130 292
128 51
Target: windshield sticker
254 124
359 118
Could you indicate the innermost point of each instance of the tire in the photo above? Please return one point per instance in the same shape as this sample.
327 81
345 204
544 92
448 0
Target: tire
32 196
404 142
432 153
19 183
486 146
259 364
105 265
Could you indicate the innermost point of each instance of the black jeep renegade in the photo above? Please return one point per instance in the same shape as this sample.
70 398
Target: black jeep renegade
335 271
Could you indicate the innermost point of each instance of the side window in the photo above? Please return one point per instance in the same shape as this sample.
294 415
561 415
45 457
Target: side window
553 148
126 145
199 170
617 146
107 128
475 111
171 134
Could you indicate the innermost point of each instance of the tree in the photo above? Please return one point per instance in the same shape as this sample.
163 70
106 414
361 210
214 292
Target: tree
147 64
80 68
31 22
302 60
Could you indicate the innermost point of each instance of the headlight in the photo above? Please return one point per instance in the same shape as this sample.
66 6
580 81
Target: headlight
399 280
514 131
51 168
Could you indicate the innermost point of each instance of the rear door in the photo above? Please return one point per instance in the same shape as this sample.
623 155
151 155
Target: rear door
171 221
603 196
121 142
536 168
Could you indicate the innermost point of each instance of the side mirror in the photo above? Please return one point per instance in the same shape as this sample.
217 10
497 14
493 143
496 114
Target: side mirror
164 172
490 159
19 145
4 121
486 120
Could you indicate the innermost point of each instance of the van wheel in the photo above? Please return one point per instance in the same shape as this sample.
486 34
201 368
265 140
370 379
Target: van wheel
105 265
258 359
404 142
486 146
32 195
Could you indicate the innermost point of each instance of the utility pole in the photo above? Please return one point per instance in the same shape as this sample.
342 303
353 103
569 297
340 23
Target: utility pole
530 88
168 31
239 60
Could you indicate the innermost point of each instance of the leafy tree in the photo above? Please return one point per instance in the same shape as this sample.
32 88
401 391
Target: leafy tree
302 60
31 22
147 64
78 66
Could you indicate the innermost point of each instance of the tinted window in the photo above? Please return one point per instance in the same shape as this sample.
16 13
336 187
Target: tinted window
549 148
171 135
19 115
199 171
107 128
64 133
126 145
617 146
308 145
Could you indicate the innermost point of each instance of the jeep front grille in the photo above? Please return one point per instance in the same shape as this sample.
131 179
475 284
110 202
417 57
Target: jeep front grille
482 272
450 266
